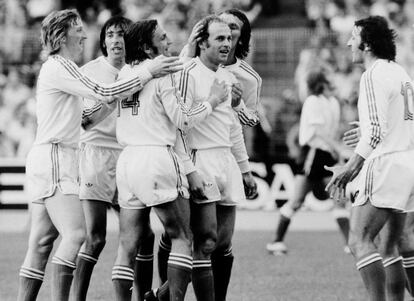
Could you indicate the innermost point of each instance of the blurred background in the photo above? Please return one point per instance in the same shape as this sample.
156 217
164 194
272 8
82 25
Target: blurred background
290 37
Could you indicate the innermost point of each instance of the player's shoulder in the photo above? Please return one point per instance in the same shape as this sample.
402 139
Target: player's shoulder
311 100
92 64
191 65
126 70
54 65
385 71
190 71
248 70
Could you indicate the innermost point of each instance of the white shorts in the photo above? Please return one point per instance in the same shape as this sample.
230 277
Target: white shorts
218 167
386 181
97 170
51 166
148 176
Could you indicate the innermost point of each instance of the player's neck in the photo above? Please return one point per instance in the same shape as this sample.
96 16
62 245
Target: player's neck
118 63
210 65
369 60
231 58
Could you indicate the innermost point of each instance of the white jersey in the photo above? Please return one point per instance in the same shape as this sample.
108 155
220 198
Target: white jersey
103 134
60 89
220 128
385 107
251 84
319 117
151 117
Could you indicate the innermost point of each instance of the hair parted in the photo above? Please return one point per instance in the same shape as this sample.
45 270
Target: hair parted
118 21
204 34
136 37
55 26
376 35
316 81
243 45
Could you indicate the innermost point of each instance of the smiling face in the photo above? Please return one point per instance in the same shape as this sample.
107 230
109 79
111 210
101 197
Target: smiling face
75 40
160 42
217 47
355 44
114 42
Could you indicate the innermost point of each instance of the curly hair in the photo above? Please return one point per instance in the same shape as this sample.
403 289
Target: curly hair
117 21
376 35
55 27
316 81
136 37
243 45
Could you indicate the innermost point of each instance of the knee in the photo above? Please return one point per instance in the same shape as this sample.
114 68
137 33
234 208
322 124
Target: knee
206 244
75 236
406 241
44 245
358 245
180 233
95 242
288 210
128 243
224 242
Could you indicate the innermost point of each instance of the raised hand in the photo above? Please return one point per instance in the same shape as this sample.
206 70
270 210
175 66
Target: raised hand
236 94
162 65
342 175
352 137
218 93
336 188
193 39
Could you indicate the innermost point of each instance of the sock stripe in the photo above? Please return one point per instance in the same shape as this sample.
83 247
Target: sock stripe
181 256
201 264
88 257
228 252
68 263
368 260
408 262
163 245
31 273
177 259
180 260
391 260
144 257
123 273
188 266
408 259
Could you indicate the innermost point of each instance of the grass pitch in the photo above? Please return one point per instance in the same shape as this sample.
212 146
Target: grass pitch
315 269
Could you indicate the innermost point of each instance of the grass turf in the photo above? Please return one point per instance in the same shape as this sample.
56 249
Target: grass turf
316 269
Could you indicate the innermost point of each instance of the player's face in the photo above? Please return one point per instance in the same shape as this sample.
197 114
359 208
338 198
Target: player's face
235 25
114 42
218 44
161 42
75 39
354 43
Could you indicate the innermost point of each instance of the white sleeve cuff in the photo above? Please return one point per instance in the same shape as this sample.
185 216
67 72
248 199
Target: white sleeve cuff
240 107
244 166
144 75
363 149
208 106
